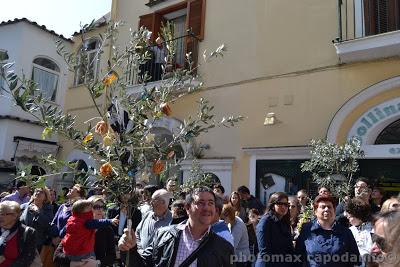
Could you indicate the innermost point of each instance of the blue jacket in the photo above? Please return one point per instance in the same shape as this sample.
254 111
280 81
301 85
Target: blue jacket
60 220
274 241
327 248
221 229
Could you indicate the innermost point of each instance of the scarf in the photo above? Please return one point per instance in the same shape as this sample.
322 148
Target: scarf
5 233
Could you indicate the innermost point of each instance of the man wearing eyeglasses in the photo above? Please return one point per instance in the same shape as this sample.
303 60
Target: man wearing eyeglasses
190 243
158 217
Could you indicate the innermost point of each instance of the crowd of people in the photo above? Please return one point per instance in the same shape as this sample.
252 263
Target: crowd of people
205 227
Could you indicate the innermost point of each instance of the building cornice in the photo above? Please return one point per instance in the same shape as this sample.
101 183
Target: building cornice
42 27
15 118
282 152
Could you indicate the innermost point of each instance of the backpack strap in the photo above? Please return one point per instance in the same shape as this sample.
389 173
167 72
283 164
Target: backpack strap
192 257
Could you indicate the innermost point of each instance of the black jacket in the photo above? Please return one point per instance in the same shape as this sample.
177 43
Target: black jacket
26 246
114 211
215 252
104 246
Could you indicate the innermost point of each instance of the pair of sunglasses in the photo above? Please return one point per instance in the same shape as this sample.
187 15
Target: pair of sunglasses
282 204
99 207
379 241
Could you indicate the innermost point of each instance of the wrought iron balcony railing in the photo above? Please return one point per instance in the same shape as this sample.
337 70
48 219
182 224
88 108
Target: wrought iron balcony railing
164 59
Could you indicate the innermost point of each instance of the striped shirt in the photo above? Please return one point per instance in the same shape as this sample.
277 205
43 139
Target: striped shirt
187 244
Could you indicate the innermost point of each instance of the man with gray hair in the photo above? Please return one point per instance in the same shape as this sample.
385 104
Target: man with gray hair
158 217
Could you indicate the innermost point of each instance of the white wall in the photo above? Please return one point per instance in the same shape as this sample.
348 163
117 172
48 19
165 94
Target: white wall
24 42
11 128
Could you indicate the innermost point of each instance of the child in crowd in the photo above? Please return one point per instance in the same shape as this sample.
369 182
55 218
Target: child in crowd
78 243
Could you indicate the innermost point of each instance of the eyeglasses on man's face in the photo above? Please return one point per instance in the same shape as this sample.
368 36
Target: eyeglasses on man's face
156 200
282 204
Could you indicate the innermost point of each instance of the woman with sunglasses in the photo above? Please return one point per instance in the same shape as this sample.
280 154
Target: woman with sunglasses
386 239
274 235
104 246
38 213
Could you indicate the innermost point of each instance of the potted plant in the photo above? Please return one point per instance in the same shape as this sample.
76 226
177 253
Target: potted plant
333 165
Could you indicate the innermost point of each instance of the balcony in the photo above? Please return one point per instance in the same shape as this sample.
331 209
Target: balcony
162 62
368 30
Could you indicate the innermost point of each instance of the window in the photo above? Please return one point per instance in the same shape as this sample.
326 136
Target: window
381 16
46 74
186 15
3 60
88 62
390 135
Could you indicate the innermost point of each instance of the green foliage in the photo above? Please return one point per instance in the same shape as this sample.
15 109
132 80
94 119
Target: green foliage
330 161
167 33
197 178
306 216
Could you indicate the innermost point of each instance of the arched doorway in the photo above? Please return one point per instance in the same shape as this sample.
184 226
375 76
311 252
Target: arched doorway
373 116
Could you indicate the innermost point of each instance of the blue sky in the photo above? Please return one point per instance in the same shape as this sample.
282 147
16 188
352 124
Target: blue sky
62 16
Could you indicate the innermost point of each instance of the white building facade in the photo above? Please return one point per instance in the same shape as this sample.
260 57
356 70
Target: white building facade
32 49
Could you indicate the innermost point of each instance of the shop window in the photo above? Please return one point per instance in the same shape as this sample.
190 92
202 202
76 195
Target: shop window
390 135
46 74
89 59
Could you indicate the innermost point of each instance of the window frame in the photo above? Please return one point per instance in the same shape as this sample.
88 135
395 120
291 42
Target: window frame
195 20
35 65
2 81
152 21
95 66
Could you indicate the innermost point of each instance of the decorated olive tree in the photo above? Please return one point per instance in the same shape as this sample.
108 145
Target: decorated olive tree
121 139
333 166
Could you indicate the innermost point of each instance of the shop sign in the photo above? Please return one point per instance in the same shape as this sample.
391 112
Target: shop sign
369 120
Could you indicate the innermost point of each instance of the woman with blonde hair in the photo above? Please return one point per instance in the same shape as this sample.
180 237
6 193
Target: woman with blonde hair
386 239
38 213
390 204
239 233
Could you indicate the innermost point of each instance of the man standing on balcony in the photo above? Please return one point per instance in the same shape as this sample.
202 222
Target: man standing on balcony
160 59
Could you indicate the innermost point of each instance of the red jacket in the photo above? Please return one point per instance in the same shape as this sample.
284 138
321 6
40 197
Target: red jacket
78 239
